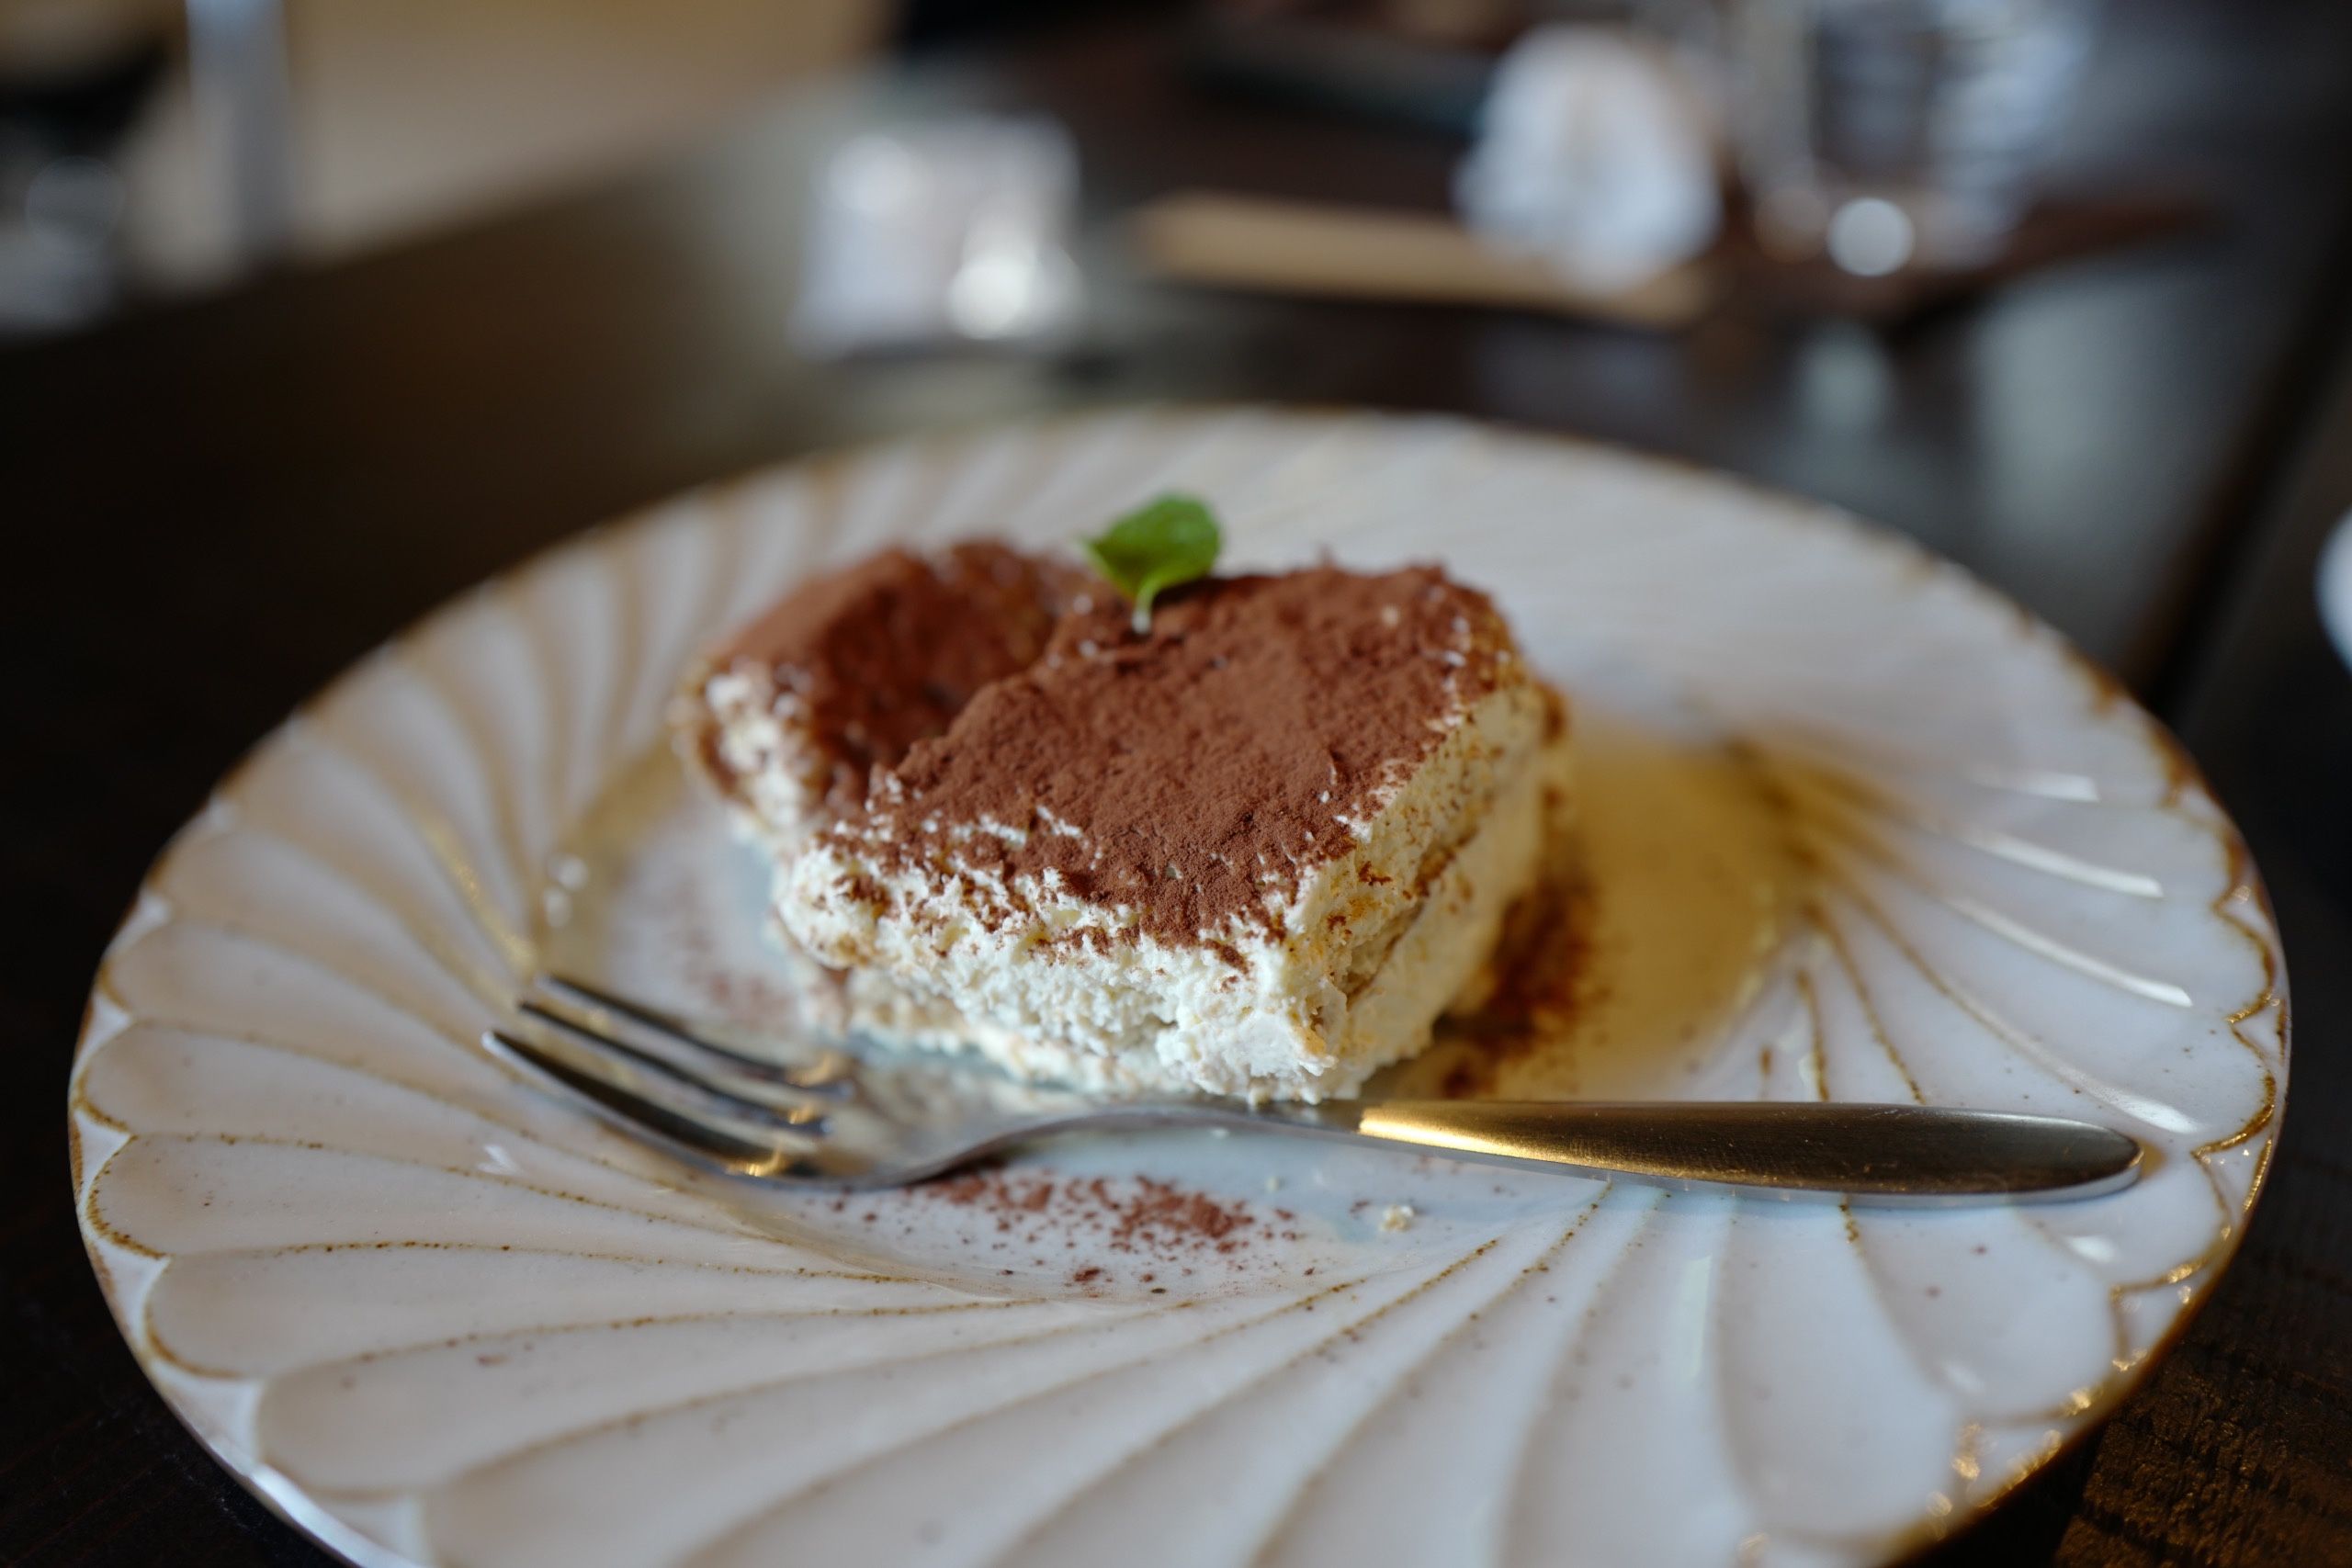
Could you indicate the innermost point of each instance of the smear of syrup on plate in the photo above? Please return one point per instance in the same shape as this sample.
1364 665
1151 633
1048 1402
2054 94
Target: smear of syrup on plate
1544 975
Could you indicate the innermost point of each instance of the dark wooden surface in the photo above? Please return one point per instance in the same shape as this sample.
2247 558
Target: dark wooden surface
212 509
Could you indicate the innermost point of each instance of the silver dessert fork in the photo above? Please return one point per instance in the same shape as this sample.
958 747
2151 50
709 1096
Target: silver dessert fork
826 1116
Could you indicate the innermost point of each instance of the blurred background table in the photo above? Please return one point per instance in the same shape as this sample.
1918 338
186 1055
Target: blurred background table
215 506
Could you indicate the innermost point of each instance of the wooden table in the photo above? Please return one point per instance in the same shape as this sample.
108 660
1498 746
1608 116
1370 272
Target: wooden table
214 508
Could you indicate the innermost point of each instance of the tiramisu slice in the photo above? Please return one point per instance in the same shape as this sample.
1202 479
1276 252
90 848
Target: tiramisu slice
1256 850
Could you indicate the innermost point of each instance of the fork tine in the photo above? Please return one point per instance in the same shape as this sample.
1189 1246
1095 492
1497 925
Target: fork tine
640 1115
699 1096
828 1074
660 1052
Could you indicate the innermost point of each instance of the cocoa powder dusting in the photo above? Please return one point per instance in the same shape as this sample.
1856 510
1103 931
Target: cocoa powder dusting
886 652
1138 1217
1195 769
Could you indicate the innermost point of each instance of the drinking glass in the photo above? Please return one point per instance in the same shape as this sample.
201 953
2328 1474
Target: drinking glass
1894 133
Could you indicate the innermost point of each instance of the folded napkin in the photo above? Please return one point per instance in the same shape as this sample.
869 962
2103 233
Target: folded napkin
952 230
1595 154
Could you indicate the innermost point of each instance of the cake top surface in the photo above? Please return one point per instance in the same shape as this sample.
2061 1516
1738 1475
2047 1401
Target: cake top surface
1188 772
881 655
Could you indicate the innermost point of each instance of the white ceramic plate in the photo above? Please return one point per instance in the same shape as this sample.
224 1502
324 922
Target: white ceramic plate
1854 827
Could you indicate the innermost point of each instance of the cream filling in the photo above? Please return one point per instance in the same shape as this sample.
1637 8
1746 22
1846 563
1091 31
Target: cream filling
774 777
1372 947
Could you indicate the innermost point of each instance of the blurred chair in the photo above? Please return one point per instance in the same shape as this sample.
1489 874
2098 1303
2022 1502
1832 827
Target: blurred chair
317 127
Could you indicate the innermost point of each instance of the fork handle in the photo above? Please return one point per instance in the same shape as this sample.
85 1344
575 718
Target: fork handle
1877 1153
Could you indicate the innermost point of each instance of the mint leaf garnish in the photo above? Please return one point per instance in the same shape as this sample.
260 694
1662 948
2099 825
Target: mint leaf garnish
1159 545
